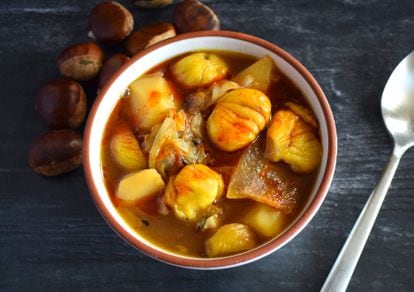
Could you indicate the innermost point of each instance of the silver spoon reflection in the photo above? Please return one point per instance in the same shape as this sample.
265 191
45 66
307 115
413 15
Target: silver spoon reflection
397 105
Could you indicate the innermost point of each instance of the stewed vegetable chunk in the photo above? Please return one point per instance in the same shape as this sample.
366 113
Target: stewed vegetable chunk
292 140
150 101
171 145
139 185
258 179
259 75
192 191
199 70
265 220
238 118
229 239
125 149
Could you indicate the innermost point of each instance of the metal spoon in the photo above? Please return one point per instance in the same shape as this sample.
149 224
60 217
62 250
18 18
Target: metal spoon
397 105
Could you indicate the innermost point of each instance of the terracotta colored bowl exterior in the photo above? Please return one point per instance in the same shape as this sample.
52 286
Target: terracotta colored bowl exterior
221 40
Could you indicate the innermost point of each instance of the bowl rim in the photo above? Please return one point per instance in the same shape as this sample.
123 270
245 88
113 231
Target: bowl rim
264 249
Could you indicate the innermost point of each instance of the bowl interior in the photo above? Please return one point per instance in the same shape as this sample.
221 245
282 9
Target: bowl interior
152 57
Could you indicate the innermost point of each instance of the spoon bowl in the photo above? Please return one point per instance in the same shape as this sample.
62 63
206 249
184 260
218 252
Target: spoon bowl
397 106
397 102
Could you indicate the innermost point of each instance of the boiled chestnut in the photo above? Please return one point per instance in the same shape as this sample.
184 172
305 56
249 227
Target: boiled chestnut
81 61
62 104
56 152
150 4
148 36
110 67
192 15
110 22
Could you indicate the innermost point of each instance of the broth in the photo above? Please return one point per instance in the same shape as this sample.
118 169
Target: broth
183 236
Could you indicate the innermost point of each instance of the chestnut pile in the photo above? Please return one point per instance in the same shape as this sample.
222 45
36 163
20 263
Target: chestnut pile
62 102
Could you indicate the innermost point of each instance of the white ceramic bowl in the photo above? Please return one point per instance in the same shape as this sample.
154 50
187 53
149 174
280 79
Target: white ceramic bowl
211 40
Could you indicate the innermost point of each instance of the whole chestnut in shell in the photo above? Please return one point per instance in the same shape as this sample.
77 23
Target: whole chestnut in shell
148 36
56 152
81 61
192 15
62 104
110 66
110 22
151 4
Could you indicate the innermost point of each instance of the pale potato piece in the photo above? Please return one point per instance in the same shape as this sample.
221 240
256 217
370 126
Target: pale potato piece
139 185
265 220
125 149
192 191
150 101
229 239
238 118
199 70
259 75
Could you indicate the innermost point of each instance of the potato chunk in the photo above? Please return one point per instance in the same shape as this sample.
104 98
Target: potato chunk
139 185
229 239
199 70
265 220
125 149
259 75
192 191
237 118
292 140
150 101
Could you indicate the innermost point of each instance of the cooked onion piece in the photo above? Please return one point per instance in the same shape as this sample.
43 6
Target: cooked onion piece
292 140
150 101
199 70
172 144
238 118
192 191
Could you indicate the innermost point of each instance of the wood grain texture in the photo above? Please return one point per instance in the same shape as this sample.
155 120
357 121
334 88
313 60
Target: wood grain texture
53 238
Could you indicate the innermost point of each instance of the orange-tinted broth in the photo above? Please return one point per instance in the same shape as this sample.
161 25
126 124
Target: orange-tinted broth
176 235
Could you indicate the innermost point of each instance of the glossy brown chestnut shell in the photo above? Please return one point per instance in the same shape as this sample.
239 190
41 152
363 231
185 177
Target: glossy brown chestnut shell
109 68
192 15
151 4
81 61
148 36
56 152
62 104
110 22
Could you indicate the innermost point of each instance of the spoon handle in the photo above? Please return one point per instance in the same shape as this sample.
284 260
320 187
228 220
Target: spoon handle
341 272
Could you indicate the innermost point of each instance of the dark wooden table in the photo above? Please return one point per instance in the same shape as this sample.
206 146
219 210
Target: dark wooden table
51 235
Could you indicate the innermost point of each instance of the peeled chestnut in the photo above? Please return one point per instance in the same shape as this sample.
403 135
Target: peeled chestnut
148 36
110 22
62 104
152 3
81 61
56 152
192 15
110 67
